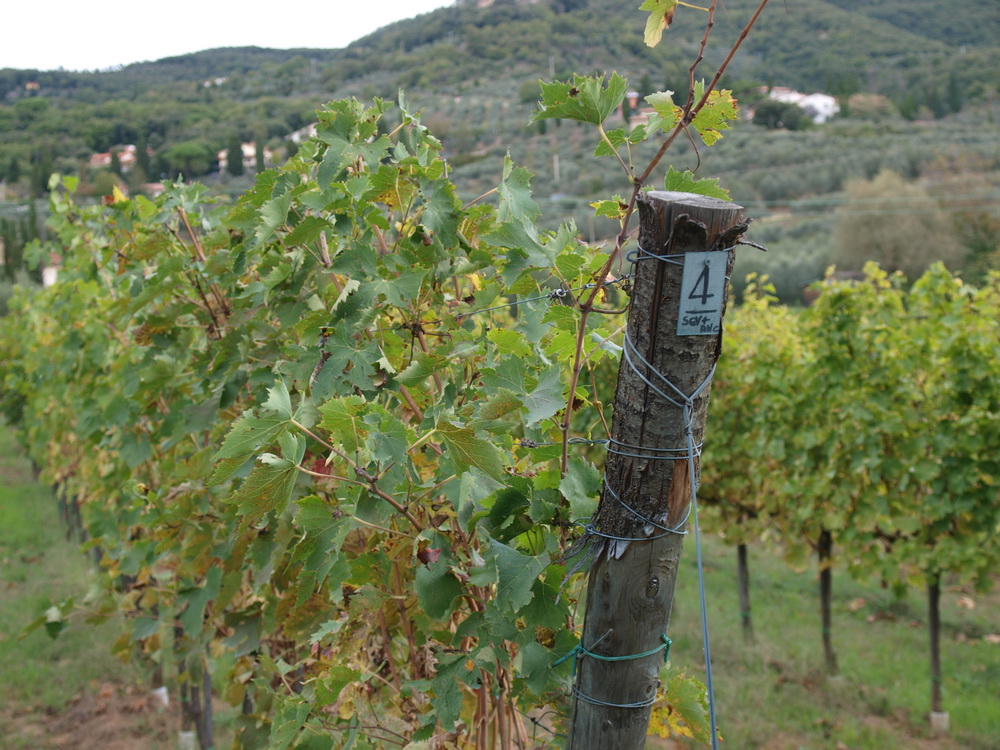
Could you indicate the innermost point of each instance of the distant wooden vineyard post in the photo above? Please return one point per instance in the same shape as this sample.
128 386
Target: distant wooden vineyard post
647 490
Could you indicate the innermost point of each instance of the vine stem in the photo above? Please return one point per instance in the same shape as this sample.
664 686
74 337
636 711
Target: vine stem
408 397
366 479
405 619
200 254
604 137
689 112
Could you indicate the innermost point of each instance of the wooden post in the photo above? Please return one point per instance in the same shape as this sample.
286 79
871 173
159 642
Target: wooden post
631 584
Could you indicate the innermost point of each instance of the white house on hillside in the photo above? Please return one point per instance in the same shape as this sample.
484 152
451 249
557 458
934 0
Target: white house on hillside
249 156
302 134
818 107
126 158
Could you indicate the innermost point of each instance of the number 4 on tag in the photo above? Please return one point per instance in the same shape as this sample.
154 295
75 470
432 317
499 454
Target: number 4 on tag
703 288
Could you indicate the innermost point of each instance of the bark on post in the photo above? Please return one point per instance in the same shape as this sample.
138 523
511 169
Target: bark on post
631 584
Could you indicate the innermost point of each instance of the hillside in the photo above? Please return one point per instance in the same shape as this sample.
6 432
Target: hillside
802 43
931 69
919 53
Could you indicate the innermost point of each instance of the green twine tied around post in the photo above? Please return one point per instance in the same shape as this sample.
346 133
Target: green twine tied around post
579 651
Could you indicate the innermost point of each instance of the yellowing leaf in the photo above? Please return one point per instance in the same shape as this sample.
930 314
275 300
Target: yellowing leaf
661 15
715 116
683 712
613 209
668 113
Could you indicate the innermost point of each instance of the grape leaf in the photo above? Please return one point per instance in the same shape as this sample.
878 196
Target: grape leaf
585 99
421 368
661 15
613 209
716 115
400 289
685 182
518 573
279 401
249 435
669 114
580 486
546 398
684 710
437 589
536 666
500 405
617 138
342 417
334 680
287 722
515 194
569 265
269 487
226 468
510 342
468 450
272 215
447 700
197 598
306 231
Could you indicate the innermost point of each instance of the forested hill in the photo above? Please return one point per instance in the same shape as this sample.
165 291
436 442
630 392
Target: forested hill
924 55
818 44
883 46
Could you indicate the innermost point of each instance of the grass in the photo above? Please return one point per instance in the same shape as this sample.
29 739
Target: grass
39 675
774 693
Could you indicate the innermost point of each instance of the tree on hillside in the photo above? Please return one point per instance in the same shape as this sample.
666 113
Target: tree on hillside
191 158
13 170
895 223
773 114
142 160
260 163
234 157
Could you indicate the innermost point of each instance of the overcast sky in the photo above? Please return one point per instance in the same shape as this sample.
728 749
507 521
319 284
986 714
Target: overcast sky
78 35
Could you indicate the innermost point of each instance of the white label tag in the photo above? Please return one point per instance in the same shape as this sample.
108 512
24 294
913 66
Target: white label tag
702 288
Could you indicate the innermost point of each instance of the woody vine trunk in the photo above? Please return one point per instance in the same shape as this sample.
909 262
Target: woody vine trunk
743 578
631 584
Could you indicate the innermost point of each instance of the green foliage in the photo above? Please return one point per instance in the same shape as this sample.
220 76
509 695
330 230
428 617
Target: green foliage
300 442
686 182
293 445
299 425
865 415
920 232
234 157
586 99
889 48
773 114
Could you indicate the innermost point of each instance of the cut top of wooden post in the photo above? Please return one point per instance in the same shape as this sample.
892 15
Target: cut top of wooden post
662 395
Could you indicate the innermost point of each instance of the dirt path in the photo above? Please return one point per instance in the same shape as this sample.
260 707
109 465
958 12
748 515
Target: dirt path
101 717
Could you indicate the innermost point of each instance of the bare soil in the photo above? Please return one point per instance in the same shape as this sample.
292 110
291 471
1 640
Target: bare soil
102 717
